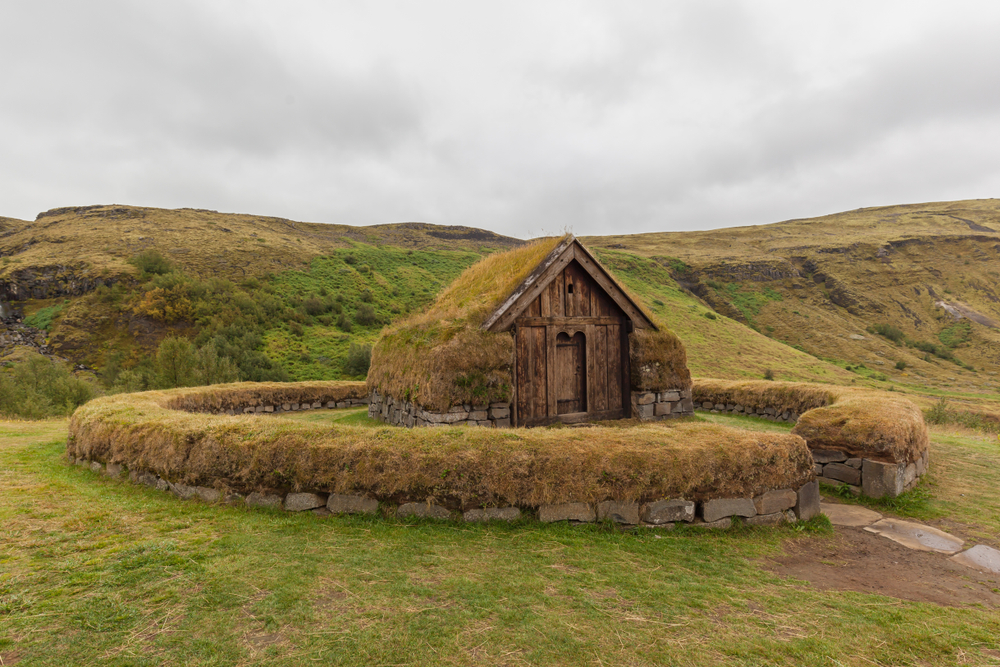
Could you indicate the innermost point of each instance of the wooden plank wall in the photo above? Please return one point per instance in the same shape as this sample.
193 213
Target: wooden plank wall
602 322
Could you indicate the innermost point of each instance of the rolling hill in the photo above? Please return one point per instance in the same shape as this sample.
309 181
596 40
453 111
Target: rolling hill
901 296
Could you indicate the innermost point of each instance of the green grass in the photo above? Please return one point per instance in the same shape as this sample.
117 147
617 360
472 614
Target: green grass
42 318
94 570
391 281
357 416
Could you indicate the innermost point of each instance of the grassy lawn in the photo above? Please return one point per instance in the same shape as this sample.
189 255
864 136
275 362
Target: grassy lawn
94 570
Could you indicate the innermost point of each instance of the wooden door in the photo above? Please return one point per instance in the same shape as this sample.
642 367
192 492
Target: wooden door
532 381
571 373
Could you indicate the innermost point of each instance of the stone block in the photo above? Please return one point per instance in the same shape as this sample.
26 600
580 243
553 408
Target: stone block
825 456
286 406
668 511
644 398
423 510
909 474
817 469
207 494
618 512
295 406
95 466
183 490
500 413
445 417
772 519
113 470
687 405
718 508
644 411
492 514
566 512
707 405
259 408
854 463
670 396
775 501
661 526
502 423
300 502
257 499
882 479
268 408
721 524
843 473
921 464
479 415
807 501
660 409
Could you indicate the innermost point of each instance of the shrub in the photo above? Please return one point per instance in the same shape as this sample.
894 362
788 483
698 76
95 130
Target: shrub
901 365
344 323
39 388
358 361
709 315
151 263
296 328
367 296
314 306
365 315
769 374
895 334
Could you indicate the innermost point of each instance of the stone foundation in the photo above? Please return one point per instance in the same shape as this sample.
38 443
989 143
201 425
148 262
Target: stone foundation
657 405
768 509
405 413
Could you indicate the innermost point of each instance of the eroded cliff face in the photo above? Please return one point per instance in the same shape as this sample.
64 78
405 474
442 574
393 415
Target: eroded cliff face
51 282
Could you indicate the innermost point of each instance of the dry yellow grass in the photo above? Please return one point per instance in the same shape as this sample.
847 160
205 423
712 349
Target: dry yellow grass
456 466
861 422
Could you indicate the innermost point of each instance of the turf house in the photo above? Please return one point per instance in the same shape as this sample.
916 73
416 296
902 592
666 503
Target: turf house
533 336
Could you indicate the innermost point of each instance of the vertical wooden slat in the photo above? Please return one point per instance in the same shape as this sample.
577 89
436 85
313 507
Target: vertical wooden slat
614 367
583 291
545 302
626 371
548 348
535 309
601 369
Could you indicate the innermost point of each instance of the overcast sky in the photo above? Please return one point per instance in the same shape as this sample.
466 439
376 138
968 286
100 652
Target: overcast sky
520 117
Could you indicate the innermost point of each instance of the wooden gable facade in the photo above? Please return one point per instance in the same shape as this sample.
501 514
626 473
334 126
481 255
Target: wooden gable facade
570 322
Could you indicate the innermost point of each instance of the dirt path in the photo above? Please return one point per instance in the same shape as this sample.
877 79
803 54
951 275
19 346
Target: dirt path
855 560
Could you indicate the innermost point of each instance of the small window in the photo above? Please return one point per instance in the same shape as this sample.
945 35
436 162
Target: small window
569 288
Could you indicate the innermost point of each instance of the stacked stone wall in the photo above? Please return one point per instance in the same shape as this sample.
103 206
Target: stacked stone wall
771 508
269 408
406 413
872 477
657 405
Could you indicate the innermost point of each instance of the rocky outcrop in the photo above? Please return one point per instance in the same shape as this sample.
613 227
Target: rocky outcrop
50 282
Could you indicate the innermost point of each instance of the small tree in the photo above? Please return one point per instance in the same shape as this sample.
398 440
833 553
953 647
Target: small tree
151 263
768 374
176 362
359 360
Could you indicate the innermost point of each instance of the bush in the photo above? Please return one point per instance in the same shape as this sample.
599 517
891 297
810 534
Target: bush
39 388
151 263
344 323
709 315
895 334
359 360
901 365
768 374
314 306
296 328
365 315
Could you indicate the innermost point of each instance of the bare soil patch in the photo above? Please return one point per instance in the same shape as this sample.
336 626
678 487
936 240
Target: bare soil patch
855 560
